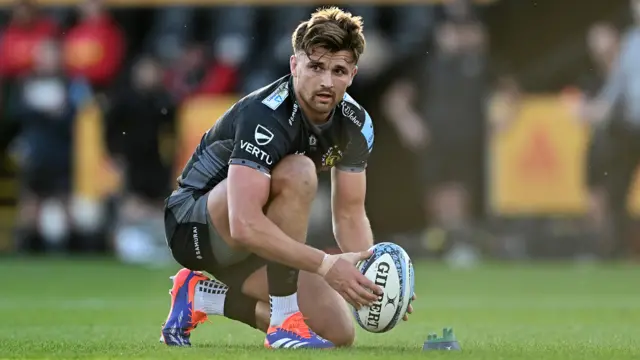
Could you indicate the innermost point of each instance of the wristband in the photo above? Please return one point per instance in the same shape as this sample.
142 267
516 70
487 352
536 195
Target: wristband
327 264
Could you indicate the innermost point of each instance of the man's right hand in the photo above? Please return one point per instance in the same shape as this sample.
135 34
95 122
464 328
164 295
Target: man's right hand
340 273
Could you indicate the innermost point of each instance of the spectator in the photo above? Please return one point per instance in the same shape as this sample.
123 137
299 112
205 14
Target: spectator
194 75
20 39
621 92
45 103
94 48
187 73
449 121
138 117
603 45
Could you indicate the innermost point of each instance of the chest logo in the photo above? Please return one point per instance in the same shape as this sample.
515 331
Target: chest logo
331 157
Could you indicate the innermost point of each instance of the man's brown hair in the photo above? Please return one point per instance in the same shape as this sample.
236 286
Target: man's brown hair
332 29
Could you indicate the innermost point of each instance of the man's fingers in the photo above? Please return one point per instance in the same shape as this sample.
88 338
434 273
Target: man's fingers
405 317
370 285
364 255
410 309
367 297
352 298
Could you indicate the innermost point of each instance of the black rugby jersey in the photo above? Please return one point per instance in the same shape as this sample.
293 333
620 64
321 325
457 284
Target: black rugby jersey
265 126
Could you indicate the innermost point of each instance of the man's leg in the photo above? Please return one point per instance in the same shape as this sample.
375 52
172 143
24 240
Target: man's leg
619 178
326 312
294 186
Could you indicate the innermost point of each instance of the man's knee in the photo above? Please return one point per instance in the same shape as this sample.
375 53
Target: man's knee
295 175
343 336
329 315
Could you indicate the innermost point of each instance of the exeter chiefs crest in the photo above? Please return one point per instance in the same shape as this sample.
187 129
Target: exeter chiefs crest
331 157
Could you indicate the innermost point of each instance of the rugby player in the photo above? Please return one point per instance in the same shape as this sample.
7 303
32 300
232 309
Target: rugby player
242 206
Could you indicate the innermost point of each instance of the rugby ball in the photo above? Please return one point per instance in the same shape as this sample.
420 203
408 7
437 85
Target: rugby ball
390 268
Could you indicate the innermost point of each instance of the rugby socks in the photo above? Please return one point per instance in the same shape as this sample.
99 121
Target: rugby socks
210 297
283 296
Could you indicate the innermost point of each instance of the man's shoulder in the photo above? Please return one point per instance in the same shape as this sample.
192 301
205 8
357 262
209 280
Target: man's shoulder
357 116
263 113
269 102
353 112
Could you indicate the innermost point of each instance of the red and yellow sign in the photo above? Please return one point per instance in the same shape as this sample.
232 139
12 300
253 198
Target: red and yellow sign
537 165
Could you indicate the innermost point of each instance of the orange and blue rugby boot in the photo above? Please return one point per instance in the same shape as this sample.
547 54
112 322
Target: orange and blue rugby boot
183 318
294 333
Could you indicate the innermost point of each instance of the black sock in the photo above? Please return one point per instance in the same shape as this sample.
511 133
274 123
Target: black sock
282 279
240 307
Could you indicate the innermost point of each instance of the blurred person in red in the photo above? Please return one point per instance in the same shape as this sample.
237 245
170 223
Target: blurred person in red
446 128
185 75
138 117
94 48
194 74
44 105
20 39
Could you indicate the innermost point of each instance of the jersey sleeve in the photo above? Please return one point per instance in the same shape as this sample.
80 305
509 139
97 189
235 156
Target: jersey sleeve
260 142
359 148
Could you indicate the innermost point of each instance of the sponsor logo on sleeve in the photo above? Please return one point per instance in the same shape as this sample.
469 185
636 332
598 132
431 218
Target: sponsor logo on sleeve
350 114
256 152
277 97
262 135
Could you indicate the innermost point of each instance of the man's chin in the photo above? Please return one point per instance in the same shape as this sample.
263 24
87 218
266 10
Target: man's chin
323 107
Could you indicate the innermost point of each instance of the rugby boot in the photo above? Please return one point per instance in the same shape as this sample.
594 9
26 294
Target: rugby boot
183 318
294 333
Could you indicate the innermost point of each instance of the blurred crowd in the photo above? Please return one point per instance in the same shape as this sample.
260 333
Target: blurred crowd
429 67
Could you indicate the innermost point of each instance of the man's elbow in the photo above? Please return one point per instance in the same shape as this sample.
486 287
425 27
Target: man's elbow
348 218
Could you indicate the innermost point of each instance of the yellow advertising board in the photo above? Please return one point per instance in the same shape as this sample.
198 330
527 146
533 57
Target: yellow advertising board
97 177
537 165
196 117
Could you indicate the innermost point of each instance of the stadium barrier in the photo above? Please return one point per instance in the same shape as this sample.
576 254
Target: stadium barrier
536 165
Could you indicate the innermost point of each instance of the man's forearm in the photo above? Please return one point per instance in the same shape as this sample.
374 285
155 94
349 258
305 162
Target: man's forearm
266 240
353 233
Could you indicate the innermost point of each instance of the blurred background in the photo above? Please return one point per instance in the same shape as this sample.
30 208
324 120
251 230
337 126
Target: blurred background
505 129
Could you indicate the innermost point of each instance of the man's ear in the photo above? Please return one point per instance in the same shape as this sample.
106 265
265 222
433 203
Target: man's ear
293 65
355 71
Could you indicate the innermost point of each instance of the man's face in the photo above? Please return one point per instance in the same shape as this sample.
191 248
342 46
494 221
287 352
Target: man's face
321 79
602 41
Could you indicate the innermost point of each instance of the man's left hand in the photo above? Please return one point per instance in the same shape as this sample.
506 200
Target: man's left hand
409 309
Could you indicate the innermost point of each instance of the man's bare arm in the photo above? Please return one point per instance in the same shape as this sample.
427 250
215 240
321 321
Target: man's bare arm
248 192
351 226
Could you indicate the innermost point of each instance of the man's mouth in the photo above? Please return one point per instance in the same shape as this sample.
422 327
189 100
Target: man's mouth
324 96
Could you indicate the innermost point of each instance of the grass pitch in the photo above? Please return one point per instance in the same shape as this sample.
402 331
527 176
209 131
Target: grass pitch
100 309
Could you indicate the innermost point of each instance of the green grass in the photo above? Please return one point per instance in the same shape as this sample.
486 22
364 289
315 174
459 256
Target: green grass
100 309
